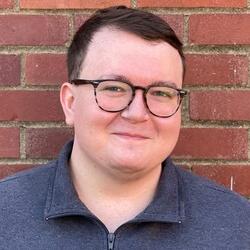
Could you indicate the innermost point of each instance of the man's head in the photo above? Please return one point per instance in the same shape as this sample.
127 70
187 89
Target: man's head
132 141
143 24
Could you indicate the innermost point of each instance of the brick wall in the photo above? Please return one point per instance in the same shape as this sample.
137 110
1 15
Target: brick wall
214 141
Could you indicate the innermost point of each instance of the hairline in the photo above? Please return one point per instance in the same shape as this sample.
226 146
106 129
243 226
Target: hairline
115 27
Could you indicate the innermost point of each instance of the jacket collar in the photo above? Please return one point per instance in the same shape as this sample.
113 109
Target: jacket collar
62 199
168 204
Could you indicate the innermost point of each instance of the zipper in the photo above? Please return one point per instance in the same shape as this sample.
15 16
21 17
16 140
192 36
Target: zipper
111 241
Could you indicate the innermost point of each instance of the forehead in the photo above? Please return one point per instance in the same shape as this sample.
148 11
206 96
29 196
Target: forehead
116 52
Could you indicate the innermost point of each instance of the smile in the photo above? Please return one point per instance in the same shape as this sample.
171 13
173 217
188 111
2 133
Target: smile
131 136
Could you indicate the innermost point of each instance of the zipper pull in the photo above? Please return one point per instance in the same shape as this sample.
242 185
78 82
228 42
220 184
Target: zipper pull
111 240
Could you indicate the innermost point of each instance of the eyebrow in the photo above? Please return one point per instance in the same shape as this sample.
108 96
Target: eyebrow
165 84
125 79
116 77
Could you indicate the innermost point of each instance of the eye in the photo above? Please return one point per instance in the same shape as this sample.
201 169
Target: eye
162 93
113 88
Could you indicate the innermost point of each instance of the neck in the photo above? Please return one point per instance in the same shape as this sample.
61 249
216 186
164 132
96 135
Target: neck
107 193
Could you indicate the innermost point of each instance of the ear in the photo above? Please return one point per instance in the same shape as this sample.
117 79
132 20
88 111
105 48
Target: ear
67 99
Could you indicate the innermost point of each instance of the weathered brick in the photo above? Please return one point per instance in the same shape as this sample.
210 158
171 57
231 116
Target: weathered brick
9 143
79 20
216 69
212 143
10 70
176 23
46 142
45 69
33 30
6 4
72 4
233 177
6 170
192 3
30 106
220 105
219 29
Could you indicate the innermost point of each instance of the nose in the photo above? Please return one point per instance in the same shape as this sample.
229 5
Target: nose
137 110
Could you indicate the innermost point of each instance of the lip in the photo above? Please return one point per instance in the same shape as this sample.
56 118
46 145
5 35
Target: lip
134 136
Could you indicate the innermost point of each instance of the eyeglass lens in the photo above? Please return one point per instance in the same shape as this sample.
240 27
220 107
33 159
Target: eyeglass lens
115 96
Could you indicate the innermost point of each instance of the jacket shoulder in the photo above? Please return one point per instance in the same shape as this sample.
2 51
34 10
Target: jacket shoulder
212 197
27 172
26 185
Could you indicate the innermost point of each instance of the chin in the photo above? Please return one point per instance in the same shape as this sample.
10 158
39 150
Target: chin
133 166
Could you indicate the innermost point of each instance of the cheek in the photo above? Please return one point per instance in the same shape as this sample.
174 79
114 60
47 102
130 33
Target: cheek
89 119
84 107
168 130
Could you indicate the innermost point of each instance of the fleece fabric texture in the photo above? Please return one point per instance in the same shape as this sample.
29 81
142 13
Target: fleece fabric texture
40 209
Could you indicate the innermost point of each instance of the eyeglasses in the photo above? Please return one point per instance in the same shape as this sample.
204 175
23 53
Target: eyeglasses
115 95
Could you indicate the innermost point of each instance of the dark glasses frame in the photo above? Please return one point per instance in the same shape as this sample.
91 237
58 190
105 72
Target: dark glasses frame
180 92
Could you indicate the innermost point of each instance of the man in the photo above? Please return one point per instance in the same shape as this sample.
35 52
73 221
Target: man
114 186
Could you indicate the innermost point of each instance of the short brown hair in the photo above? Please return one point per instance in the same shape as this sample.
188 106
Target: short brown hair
143 24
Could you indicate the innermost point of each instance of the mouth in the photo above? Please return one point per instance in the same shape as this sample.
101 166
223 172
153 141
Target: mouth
131 136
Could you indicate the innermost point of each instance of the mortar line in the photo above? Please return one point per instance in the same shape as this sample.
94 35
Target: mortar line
22 73
133 3
22 143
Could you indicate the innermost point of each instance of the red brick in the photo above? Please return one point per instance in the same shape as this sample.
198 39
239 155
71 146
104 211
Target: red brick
219 29
192 3
212 143
9 143
176 23
33 30
72 4
6 4
46 142
6 170
216 69
224 174
220 105
45 69
79 20
30 106
10 70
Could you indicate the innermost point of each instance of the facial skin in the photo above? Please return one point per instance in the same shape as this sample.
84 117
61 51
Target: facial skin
133 142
